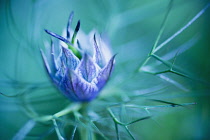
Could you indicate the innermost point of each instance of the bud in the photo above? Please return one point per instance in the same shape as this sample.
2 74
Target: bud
77 73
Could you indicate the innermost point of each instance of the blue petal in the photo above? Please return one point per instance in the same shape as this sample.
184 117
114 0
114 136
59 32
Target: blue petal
104 75
68 29
97 54
60 73
84 90
46 63
87 68
69 59
66 86
56 51
55 76
57 36
55 65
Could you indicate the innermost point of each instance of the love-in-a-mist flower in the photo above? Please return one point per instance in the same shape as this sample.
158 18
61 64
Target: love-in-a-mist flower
79 65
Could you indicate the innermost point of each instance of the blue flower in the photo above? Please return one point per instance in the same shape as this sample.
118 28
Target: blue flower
79 70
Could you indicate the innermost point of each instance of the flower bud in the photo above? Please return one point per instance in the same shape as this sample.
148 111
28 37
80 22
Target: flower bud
77 73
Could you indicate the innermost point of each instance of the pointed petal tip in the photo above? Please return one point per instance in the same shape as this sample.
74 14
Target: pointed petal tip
42 53
47 31
78 26
70 19
94 36
69 24
85 56
113 58
110 64
94 39
115 55
71 14
64 49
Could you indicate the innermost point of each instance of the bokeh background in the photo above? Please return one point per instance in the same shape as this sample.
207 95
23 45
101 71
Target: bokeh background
132 28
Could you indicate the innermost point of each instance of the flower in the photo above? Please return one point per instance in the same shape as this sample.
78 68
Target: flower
78 74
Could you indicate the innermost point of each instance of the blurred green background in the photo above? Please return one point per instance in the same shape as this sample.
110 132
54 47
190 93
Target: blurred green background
132 27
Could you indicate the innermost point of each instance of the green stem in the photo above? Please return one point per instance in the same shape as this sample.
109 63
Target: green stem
60 137
71 108
162 27
85 129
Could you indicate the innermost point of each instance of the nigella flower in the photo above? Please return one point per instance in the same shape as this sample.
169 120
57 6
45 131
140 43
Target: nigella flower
77 73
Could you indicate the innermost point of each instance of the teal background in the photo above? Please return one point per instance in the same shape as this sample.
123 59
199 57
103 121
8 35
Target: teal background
132 27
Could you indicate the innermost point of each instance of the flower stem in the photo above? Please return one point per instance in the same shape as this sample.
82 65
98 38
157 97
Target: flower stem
71 108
